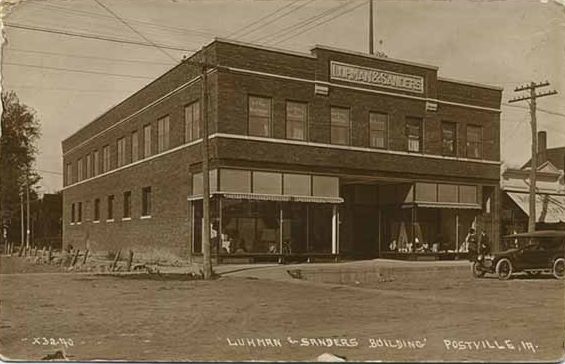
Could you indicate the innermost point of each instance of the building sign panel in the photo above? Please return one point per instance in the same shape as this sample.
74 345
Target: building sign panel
375 77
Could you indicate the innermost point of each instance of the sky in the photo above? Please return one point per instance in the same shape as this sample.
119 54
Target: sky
71 80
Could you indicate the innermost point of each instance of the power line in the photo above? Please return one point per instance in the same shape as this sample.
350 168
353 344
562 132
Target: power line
538 109
87 57
77 71
278 17
50 172
115 15
199 33
35 87
261 19
94 36
300 24
317 25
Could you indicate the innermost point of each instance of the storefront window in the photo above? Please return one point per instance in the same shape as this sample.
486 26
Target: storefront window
259 116
340 126
267 183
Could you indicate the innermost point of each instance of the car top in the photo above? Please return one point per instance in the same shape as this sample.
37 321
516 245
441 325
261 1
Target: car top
539 234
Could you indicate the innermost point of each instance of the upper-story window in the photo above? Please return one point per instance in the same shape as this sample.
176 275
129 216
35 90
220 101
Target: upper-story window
79 170
134 146
73 212
296 120
449 138
110 211
192 122
96 162
146 201
147 140
105 158
340 131
127 204
88 165
121 146
79 212
69 173
414 134
163 134
378 125
259 116
97 209
474 141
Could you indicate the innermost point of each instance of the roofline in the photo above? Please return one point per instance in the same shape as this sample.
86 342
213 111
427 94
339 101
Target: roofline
366 55
264 48
108 109
468 83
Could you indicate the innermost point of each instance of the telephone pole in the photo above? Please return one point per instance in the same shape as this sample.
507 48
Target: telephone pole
28 231
532 101
206 254
371 41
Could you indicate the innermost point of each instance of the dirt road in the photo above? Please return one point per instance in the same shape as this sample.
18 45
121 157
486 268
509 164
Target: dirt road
416 316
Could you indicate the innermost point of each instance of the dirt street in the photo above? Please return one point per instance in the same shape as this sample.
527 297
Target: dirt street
418 315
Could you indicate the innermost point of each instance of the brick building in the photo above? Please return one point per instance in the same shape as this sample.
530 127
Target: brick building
326 153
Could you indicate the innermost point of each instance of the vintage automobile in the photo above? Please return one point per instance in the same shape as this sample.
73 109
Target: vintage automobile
533 253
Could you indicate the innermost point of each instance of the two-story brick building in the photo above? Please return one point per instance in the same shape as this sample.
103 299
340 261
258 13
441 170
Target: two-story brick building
332 152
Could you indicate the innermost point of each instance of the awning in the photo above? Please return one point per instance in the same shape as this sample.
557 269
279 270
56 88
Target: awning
444 205
266 197
550 209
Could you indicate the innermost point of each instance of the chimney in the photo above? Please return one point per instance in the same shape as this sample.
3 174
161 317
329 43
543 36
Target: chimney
542 147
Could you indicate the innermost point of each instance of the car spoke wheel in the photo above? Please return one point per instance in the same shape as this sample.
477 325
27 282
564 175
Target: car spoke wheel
559 268
477 271
504 268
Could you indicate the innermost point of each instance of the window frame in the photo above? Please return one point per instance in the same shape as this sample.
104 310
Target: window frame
194 107
455 144
385 131
126 213
480 142
134 153
121 152
304 121
163 133
146 203
348 126
420 136
96 217
79 212
106 158
73 213
80 169
147 149
95 163
270 123
110 208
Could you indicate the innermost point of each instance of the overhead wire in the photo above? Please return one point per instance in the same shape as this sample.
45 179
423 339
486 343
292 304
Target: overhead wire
318 24
76 70
133 29
261 19
299 25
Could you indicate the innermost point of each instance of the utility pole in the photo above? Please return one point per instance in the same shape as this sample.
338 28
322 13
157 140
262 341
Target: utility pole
371 41
531 99
206 254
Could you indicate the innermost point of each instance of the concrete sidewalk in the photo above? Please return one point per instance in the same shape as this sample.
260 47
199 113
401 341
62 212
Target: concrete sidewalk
343 273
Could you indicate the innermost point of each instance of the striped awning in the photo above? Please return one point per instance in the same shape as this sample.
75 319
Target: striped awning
550 209
266 197
444 205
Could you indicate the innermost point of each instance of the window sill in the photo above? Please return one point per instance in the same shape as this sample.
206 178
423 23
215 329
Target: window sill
96 221
144 217
126 218
72 223
79 223
110 220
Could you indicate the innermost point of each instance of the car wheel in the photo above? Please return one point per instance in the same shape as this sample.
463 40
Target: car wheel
504 268
559 268
477 271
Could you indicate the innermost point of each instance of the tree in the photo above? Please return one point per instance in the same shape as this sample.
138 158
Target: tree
19 133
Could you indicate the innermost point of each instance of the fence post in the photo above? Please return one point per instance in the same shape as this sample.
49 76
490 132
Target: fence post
85 256
130 260
75 258
115 262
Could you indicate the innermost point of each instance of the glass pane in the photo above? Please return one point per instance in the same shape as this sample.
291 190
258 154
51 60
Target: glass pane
447 193
340 116
468 194
339 135
325 186
296 184
426 192
235 180
267 183
260 106
377 139
259 126
295 130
